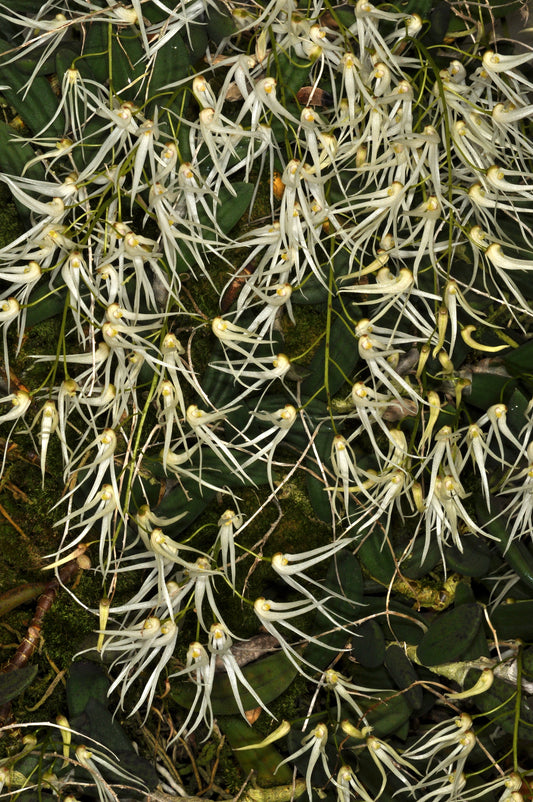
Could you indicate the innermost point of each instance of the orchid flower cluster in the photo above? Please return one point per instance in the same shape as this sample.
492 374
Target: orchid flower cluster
395 183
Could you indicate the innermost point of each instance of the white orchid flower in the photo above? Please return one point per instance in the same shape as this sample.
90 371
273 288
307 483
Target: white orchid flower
347 781
519 511
265 370
147 134
170 399
24 278
138 647
199 664
20 403
231 335
271 613
201 424
284 565
282 421
347 472
49 423
229 524
388 760
344 691
10 310
220 647
314 743
91 759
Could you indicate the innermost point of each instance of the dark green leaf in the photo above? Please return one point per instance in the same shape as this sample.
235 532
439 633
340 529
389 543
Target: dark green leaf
473 561
197 41
343 577
220 23
45 304
15 155
37 106
404 675
368 647
172 64
464 594
231 209
295 73
398 621
499 703
450 635
375 554
412 566
87 688
520 362
516 411
387 714
514 620
96 51
487 389
13 683
318 495
333 363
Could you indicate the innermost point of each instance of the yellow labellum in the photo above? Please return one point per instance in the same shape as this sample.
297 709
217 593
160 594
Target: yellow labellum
278 733
483 684
466 334
81 549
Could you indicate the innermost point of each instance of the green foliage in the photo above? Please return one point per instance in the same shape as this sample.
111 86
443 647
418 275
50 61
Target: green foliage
450 635
266 318
269 676
13 683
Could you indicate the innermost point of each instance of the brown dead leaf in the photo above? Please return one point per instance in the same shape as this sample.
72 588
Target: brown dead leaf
252 715
314 96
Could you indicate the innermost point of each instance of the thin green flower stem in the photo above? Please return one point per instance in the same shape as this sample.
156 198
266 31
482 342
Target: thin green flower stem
346 314
95 217
62 342
50 379
314 344
110 63
422 94
131 469
331 279
274 55
517 705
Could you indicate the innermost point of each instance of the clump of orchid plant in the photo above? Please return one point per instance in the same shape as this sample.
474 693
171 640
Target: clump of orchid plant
394 179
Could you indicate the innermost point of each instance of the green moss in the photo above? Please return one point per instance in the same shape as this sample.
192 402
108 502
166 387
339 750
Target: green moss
10 224
67 624
23 544
303 337
229 776
47 704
